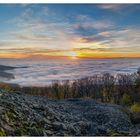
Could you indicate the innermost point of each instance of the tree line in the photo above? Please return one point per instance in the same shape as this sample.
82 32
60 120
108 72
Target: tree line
118 89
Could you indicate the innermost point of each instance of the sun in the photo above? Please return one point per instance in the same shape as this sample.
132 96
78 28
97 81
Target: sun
73 55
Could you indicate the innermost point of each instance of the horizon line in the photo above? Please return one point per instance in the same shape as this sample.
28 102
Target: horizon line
69 57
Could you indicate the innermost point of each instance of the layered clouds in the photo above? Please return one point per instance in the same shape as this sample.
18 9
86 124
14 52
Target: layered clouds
56 30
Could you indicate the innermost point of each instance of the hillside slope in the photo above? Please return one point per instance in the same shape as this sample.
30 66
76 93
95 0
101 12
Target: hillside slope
24 115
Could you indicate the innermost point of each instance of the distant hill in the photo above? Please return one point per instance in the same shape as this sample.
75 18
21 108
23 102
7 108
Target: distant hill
7 75
4 74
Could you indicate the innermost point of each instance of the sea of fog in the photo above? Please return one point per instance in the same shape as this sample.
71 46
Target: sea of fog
43 72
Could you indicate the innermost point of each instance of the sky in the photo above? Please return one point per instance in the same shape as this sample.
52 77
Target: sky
69 30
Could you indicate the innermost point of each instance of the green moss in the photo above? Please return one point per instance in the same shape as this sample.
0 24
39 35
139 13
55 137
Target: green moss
135 108
9 117
2 132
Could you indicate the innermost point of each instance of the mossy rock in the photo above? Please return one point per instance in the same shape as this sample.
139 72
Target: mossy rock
33 131
8 117
2 132
115 134
20 132
11 115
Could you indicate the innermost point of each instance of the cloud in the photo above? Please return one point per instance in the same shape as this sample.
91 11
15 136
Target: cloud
85 22
111 6
32 37
35 35
48 33
104 34
33 51
104 50
127 38
122 9
89 39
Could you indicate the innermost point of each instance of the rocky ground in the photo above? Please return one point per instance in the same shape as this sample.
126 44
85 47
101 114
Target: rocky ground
24 115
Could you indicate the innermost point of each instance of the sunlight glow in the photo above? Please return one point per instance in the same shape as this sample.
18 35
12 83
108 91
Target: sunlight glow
73 55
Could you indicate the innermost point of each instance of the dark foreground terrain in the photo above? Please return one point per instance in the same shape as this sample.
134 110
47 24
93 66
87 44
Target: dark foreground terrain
27 115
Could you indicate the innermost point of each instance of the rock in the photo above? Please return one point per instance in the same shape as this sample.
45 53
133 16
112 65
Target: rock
135 117
49 132
39 116
33 131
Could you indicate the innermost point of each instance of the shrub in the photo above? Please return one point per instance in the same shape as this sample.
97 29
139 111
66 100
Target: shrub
126 100
2 132
135 108
118 89
135 113
6 87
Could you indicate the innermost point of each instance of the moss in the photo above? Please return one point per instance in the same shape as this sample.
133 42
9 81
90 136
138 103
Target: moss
135 108
2 132
11 115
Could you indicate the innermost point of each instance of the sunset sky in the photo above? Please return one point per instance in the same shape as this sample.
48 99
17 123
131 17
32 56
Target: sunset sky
72 30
